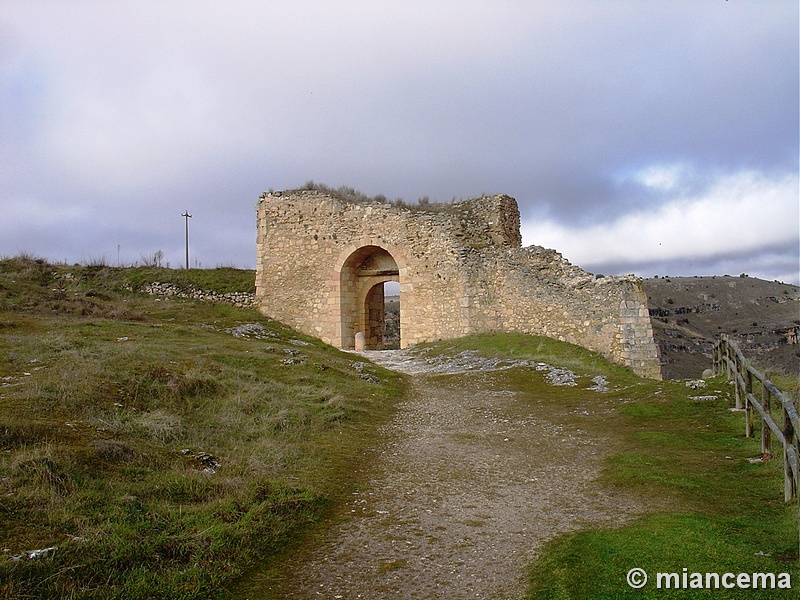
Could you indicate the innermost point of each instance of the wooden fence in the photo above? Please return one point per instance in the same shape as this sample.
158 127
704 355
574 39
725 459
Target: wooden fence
728 359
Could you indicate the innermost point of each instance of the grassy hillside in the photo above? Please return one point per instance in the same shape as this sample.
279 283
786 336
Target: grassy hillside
158 447
155 447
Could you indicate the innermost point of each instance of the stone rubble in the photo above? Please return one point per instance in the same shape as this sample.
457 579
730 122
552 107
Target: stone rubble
237 299
696 384
205 462
34 554
600 384
468 361
557 375
252 330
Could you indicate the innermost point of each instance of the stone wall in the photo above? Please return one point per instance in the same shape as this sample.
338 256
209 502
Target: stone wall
461 269
238 299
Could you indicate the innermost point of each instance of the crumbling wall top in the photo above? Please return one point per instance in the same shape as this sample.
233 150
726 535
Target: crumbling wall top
475 223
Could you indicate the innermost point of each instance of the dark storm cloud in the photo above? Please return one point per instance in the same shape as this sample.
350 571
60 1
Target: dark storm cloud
117 117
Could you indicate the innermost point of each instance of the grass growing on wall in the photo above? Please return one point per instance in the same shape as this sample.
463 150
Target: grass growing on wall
158 447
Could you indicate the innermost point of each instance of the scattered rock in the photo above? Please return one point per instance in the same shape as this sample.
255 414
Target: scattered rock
463 362
251 330
600 384
696 384
557 375
205 462
34 554
363 369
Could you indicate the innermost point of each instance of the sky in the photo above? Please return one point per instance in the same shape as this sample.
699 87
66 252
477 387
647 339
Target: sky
654 138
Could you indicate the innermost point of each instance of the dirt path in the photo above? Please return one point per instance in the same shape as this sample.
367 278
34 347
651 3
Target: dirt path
471 481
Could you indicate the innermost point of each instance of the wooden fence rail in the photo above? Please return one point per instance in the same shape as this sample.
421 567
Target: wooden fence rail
729 359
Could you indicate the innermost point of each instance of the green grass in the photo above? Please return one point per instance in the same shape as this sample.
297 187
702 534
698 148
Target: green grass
114 403
594 564
116 408
714 510
87 289
530 347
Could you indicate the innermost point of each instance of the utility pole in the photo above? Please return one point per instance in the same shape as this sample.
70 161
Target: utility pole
187 216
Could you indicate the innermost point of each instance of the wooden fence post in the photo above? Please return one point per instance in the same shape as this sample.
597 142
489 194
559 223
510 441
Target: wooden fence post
789 487
733 372
748 408
728 358
766 432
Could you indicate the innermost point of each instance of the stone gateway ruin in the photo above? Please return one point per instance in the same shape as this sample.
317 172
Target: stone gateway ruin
322 261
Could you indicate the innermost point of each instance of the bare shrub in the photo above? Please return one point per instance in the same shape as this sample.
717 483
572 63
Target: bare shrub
154 260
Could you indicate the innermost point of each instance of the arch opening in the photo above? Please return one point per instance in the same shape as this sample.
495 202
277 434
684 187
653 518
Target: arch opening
363 300
391 311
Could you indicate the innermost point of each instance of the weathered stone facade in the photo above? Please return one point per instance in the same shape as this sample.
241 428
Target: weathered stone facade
321 263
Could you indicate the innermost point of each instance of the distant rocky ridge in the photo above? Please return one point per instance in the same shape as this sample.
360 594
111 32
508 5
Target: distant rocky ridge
690 313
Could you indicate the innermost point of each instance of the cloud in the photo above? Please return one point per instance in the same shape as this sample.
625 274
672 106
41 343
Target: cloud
738 214
609 117
663 178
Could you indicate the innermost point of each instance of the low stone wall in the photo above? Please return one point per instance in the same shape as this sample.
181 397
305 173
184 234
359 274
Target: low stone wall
238 299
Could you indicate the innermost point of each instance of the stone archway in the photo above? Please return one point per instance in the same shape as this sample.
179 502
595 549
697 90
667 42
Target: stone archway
361 296
461 270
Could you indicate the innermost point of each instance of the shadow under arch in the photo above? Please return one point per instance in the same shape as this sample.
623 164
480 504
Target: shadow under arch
361 296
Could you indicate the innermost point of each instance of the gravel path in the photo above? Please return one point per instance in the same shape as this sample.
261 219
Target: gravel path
471 481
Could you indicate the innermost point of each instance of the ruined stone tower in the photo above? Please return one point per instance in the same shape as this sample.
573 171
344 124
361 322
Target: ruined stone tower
322 262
